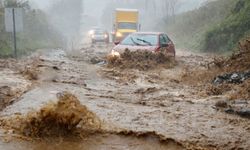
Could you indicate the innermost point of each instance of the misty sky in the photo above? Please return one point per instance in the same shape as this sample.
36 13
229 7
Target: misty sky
42 4
94 8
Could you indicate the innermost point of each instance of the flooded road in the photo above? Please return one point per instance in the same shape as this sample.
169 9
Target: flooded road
141 110
94 142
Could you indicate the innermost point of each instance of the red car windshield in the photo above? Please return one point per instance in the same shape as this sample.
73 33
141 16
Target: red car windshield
141 40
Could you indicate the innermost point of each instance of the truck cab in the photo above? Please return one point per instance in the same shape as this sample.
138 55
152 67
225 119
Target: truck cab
125 22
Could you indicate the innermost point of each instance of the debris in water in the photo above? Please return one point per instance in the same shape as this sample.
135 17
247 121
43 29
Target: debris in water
31 72
96 60
228 76
6 95
66 117
221 104
234 78
217 89
141 60
239 61
241 91
237 107
244 113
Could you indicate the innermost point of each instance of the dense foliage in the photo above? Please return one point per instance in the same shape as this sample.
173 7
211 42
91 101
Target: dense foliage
217 26
37 32
236 26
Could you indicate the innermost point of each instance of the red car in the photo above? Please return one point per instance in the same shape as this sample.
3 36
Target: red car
149 41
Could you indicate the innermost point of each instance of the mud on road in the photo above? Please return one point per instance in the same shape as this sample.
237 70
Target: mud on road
137 109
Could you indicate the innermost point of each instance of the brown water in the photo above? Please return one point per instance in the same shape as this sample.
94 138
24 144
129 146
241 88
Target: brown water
94 142
69 125
155 101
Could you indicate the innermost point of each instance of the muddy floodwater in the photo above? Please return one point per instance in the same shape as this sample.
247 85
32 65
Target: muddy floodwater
139 109
94 142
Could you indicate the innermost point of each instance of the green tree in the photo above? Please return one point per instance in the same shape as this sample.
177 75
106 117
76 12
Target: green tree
37 33
17 3
230 31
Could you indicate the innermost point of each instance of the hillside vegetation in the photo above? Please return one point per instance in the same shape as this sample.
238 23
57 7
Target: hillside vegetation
236 26
217 26
36 34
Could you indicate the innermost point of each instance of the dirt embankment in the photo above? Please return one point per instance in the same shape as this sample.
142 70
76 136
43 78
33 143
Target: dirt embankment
142 60
239 61
224 76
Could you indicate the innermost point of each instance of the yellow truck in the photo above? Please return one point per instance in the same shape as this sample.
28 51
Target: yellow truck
126 21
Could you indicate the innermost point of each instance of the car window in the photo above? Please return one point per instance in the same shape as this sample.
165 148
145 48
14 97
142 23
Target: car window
141 40
99 32
167 38
163 40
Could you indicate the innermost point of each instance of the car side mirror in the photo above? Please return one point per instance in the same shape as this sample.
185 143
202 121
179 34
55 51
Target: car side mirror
117 42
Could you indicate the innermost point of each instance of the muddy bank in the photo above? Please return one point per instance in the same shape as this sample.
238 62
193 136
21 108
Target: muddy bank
236 72
224 75
239 61
141 60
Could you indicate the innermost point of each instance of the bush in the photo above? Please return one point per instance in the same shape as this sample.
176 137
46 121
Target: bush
226 35
37 32
215 27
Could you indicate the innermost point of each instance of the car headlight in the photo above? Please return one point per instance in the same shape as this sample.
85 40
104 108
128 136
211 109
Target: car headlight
118 34
91 32
115 53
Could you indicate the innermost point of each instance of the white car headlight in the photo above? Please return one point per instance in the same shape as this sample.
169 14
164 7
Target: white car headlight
115 53
91 32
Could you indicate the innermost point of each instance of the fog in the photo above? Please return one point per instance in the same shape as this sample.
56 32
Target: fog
74 18
93 9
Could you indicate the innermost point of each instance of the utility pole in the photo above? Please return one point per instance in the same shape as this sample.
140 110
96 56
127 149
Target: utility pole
14 32
14 24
